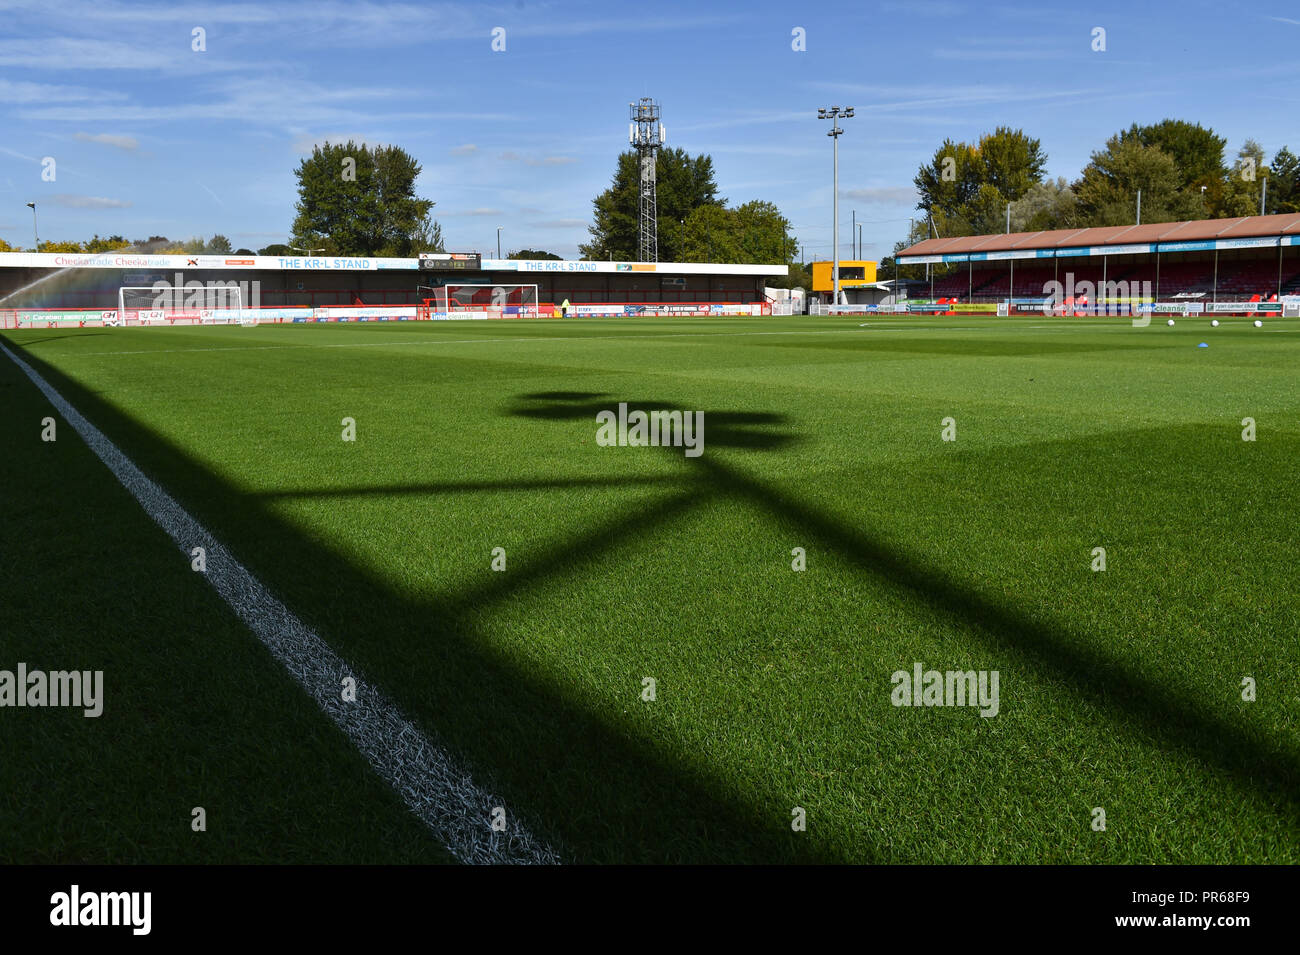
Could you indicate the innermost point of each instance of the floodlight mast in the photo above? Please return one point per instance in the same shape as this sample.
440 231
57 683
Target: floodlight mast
646 135
834 114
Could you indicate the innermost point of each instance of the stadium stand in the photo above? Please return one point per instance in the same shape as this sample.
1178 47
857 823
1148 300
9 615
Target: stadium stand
1247 259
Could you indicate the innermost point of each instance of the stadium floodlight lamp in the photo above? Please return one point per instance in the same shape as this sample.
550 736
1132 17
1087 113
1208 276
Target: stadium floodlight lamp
833 114
306 251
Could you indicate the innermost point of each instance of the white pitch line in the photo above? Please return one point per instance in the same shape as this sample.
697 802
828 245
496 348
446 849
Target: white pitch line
441 794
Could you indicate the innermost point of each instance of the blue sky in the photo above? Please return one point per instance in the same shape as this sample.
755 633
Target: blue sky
151 137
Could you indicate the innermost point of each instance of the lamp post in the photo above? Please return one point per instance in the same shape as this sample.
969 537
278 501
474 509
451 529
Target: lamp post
834 114
36 233
499 228
305 251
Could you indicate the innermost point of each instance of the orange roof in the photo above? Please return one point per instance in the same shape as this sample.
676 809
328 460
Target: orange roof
1237 228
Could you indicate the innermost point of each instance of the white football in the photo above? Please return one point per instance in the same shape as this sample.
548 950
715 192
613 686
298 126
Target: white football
1258 323
1215 322
1171 321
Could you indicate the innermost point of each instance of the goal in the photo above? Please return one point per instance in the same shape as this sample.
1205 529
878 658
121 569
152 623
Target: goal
482 301
213 304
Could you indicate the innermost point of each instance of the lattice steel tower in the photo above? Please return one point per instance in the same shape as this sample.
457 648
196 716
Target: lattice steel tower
646 133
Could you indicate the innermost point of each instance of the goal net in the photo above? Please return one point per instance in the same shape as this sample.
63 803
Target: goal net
213 304
483 301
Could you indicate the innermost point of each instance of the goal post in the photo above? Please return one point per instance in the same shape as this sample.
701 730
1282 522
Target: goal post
216 303
483 300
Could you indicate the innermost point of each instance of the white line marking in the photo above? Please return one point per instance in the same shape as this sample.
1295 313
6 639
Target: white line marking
440 793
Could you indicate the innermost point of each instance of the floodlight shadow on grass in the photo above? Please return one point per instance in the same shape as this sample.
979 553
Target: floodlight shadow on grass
517 733
434 488
729 429
1044 648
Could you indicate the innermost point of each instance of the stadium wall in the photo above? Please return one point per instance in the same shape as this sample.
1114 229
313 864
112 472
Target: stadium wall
72 281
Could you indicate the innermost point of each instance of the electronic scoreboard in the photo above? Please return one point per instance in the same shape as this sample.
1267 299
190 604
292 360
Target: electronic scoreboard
456 261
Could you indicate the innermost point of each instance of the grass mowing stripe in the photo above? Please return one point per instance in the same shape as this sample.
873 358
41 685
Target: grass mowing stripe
465 341
440 794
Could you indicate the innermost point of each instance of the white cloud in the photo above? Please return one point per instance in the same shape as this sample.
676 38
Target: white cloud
510 156
68 200
473 212
884 196
465 150
67 54
15 93
561 224
127 143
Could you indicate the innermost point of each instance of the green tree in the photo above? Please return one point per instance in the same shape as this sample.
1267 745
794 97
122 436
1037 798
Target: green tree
1011 161
59 247
1047 205
1239 193
357 200
799 276
245 252
427 236
533 254
6 247
276 248
1107 190
950 180
1284 182
710 235
682 184
1197 151
751 234
966 187
109 244
219 244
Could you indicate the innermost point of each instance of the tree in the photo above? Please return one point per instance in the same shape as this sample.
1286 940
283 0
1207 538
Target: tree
534 254
276 248
950 180
1284 182
799 276
358 200
427 236
245 252
1047 205
1197 152
1240 191
109 244
6 247
1010 161
966 187
219 243
751 234
682 184
709 235
1107 190
59 247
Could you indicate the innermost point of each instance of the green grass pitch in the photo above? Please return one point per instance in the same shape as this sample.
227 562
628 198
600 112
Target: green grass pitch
1119 690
